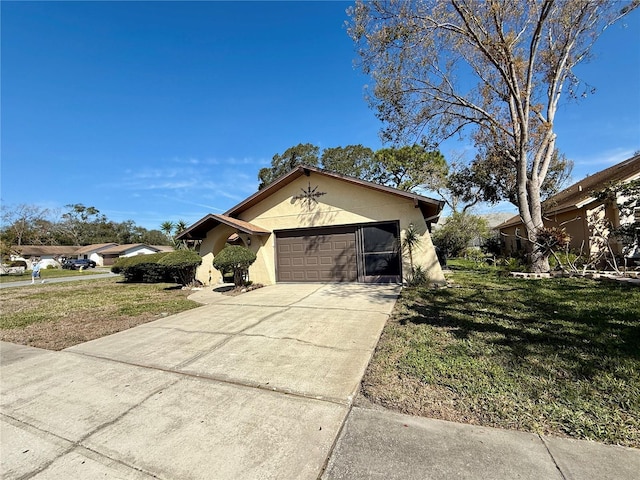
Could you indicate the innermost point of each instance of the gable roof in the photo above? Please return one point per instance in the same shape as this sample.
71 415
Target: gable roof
429 207
39 250
581 192
163 248
94 247
118 249
199 229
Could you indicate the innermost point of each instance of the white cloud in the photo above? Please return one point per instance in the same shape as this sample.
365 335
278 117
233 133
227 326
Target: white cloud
229 161
605 158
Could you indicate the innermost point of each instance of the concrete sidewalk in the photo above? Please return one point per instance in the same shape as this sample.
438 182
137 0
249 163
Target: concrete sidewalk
256 386
377 444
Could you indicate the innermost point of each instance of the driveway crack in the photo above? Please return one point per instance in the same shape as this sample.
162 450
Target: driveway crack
189 361
79 443
304 342
553 459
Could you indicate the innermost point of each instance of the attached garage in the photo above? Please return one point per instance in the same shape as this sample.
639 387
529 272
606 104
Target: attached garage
350 253
318 255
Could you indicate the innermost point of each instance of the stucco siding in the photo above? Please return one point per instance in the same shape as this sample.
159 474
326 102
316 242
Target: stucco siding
341 203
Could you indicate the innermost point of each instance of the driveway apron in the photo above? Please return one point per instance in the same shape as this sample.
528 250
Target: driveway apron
253 386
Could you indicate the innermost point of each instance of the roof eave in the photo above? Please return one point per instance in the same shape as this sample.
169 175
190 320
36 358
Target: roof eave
198 231
306 170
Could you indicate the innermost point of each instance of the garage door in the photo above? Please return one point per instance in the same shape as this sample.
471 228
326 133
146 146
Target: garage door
327 255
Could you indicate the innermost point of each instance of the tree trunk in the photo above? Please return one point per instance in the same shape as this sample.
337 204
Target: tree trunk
238 277
539 262
538 259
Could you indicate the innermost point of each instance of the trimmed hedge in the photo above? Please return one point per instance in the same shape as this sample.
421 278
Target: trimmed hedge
236 258
174 267
126 262
181 265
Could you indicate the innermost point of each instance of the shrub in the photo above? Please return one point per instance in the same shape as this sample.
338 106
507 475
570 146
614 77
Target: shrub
474 254
181 265
160 267
493 245
566 261
458 232
236 258
512 264
418 278
18 263
123 262
146 273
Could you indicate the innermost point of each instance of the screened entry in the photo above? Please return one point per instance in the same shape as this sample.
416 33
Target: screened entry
379 258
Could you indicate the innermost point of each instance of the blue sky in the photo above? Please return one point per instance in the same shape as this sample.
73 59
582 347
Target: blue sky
164 111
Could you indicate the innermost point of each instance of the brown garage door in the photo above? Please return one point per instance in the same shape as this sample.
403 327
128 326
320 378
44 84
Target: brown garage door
327 255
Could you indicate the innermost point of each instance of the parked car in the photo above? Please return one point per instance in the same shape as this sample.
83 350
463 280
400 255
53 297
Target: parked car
77 263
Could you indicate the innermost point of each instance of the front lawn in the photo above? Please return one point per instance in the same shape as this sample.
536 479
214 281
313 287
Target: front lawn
58 315
49 273
554 356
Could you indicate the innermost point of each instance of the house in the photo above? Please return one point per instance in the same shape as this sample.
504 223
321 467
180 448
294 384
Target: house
47 255
104 254
93 252
109 255
311 225
575 208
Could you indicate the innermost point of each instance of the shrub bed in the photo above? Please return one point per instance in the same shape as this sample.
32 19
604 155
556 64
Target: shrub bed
176 267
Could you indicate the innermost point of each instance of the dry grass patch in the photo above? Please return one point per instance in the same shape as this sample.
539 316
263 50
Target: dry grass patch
57 316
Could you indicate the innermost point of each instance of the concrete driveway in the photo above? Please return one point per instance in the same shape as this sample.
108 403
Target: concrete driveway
254 386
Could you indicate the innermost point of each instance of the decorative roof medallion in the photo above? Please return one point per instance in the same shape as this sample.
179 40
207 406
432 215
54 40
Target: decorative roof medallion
309 196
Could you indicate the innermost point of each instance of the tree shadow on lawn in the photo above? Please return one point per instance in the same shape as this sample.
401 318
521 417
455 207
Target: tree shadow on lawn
583 324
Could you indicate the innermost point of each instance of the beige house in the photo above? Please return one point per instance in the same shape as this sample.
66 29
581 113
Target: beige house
315 226
575 208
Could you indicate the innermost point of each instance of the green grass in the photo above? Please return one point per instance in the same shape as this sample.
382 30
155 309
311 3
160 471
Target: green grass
49 273
558 356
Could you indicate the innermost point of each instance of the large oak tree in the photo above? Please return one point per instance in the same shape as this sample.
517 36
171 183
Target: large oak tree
301 154
407 167
492 70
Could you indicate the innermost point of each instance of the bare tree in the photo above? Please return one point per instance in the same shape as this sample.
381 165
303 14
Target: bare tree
80 224
20 221
520 57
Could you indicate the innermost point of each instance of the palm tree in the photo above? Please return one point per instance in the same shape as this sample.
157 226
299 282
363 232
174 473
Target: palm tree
411 241
180 226
167 228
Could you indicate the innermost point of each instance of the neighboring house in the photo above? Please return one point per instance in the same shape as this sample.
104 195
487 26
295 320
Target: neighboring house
575 208
109 255
93 252
104 254
314 226
48 254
